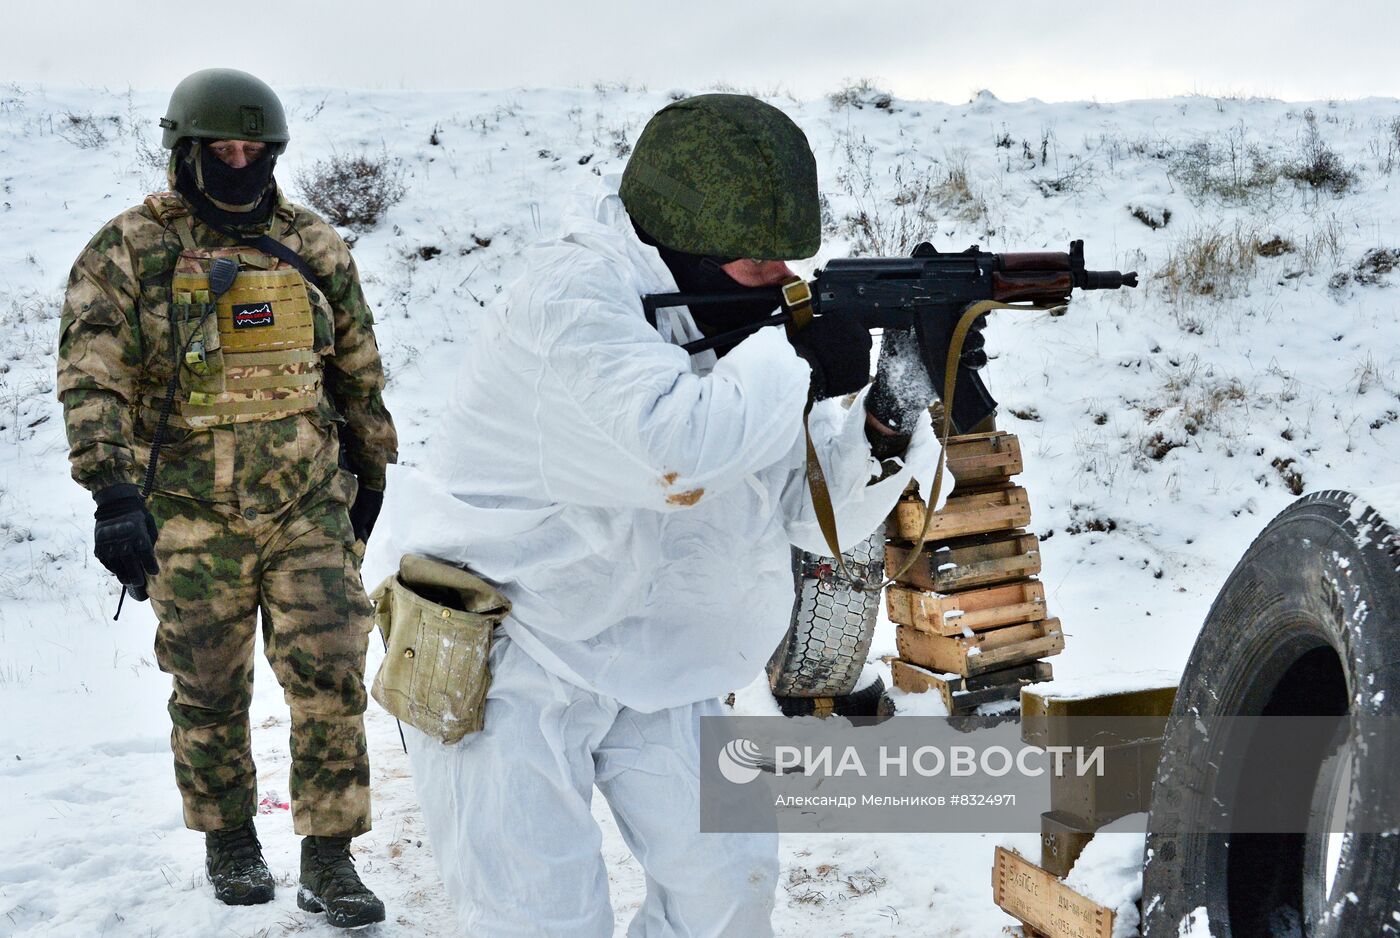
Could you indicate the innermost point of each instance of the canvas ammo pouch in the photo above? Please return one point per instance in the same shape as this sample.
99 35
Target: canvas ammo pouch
437 621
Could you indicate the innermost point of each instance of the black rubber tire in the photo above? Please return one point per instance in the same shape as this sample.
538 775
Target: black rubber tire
869 701
832 625
1305 625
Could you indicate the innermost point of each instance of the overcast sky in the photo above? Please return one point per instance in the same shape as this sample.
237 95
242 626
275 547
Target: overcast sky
1052 49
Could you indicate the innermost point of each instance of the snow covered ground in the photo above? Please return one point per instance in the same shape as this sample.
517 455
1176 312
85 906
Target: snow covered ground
1162 428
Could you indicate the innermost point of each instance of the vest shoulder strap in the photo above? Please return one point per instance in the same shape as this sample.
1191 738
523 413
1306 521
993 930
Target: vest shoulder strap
171 212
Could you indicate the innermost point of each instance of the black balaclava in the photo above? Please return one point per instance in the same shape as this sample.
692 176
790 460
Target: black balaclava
221 195
702 274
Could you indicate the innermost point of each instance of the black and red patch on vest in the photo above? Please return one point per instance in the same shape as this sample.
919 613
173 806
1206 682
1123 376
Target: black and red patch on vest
252 315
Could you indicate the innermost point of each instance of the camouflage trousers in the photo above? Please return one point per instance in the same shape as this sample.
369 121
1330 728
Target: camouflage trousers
221 569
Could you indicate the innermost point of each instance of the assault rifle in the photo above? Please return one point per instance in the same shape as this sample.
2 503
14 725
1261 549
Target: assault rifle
930 293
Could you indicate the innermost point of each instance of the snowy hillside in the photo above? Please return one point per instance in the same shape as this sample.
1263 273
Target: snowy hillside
1162 428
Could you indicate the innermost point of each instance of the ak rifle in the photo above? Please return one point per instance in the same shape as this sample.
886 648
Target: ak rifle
930 293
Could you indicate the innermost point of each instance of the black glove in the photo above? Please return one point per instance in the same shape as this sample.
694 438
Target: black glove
365 511
125 535
838 349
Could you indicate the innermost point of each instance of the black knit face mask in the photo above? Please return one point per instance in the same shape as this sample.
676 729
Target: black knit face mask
240 189
696 273
213 188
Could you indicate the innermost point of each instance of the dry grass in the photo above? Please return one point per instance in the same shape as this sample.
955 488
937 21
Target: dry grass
957 194
1214 263
889 218
825 882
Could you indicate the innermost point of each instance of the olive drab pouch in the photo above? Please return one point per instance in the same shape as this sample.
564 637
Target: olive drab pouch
437 621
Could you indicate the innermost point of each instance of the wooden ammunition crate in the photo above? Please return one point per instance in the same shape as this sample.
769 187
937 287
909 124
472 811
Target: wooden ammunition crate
984 651
982 459
968 563
1047 905
965 694
970 611
962 515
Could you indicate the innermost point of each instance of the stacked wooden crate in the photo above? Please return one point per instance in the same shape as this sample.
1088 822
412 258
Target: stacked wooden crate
970 615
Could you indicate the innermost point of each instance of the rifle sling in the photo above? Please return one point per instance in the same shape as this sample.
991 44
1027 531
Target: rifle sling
270 245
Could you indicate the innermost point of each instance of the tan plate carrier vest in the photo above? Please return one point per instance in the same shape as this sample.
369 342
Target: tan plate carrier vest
250 355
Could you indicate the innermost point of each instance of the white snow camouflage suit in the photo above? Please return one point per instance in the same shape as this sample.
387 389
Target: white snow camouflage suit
636 505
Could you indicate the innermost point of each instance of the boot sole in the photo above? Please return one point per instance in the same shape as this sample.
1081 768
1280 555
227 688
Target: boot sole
308 902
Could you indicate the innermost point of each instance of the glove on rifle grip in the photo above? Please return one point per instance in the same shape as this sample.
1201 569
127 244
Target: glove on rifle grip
902 392
838 351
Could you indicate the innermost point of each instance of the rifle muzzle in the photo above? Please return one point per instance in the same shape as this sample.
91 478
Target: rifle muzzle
1105 279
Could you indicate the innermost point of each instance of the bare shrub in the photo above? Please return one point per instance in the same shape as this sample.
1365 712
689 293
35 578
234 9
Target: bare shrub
859 94
352 191
1067 181
1231 170
85 131
1317 165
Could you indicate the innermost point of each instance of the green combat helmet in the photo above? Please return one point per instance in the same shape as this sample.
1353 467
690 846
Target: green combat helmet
224 104
725 175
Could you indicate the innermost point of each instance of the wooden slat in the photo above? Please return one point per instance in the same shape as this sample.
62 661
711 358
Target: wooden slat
1041 901
982 459
962 515
963 695
968 563
971 611
985 651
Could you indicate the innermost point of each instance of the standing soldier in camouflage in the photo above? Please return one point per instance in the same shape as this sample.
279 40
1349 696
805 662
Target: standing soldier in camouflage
270 475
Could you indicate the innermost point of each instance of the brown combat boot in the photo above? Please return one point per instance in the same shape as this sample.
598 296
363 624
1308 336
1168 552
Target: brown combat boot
330 884
234 861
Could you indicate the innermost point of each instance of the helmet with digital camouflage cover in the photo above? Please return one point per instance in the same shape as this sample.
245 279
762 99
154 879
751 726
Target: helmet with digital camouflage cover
725 175
224 104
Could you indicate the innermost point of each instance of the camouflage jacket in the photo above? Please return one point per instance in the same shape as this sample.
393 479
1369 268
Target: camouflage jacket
115 347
